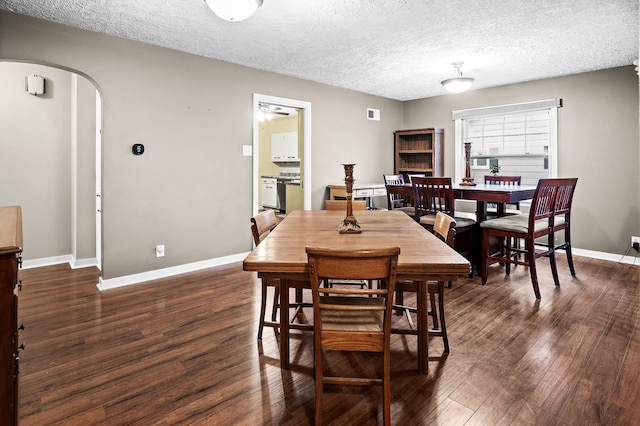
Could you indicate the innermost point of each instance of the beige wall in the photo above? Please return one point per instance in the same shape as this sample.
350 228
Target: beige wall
193 115
598 142
35 159
39 142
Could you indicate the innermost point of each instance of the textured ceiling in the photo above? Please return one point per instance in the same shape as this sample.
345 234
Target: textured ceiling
399 49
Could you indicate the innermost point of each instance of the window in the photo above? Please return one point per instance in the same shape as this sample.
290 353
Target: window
521 139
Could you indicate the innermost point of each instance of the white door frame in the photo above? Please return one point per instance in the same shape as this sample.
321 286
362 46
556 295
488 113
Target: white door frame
99 179
291 103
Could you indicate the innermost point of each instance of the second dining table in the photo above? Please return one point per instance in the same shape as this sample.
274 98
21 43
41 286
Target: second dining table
482 193
423 257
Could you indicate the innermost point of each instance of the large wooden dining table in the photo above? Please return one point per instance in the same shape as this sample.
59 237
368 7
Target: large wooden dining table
423 257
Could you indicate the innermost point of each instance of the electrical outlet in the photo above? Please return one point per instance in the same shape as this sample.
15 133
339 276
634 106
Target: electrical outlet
635 240
160 250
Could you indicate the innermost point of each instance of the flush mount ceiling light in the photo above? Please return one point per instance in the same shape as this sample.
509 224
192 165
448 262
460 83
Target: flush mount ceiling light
268 112
234 10
458 83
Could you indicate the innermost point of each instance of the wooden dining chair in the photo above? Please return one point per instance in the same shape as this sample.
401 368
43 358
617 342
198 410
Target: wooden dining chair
550 213
395 199
435 194
492 209
261 226
352 319
444 229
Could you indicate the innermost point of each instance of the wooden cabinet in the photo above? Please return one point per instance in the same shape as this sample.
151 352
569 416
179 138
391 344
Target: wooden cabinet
419 151
284 147
10 261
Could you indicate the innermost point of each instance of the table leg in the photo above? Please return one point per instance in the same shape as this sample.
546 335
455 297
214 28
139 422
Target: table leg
476 254
481 211
423 327
284 324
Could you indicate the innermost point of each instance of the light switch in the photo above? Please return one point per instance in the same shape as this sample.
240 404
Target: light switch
247 150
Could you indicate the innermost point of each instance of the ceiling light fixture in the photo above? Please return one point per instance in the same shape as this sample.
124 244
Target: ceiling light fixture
234 10
458 83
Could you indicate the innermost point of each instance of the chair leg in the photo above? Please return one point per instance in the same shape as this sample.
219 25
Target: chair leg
485 255
507 254
567 242
552 259
319 385
532 267
263 308
276 298
432 301
386 385
443 327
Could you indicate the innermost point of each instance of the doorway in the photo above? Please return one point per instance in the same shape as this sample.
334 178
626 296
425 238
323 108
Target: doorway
52 162
304 109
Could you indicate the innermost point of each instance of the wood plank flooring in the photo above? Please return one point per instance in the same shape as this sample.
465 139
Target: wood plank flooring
183 350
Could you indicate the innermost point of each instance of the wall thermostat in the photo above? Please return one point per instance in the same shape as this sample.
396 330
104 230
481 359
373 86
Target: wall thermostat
137 149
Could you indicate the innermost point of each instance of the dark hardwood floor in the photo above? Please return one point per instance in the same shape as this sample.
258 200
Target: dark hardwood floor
183 350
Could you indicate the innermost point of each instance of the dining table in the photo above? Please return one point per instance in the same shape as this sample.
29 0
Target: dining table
423 257
482 193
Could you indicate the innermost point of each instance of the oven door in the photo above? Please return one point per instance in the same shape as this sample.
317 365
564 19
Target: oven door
282 195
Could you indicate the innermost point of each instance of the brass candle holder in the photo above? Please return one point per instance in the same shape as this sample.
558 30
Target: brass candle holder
467 180
349 224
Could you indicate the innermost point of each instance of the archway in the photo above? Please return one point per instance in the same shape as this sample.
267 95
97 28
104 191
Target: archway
52 165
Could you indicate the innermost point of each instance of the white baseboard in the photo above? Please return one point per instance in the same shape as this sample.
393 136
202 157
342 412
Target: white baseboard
167 272
56 260
47 261
633 260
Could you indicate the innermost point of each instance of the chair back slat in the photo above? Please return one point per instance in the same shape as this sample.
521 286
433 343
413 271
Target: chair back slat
393 179
503 180
433 194
415 175
543 200
564 198
552 197
375 264
347 264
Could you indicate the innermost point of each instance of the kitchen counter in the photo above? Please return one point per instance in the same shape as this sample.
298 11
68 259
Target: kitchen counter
295 180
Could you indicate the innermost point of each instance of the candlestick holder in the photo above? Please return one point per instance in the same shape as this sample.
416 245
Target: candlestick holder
349 224
467 180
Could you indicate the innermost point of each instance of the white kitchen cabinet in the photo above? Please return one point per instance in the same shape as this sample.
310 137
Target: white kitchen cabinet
284 147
